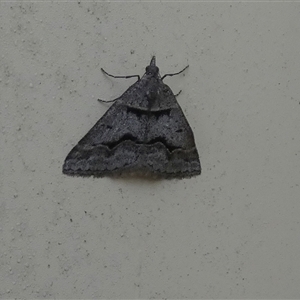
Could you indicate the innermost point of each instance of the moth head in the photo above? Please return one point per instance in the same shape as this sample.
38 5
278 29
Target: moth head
152 69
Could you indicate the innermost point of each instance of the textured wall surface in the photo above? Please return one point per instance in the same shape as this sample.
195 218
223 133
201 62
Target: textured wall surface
232 232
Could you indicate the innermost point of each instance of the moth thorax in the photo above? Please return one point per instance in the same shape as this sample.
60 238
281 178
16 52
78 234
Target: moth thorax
151 93
152 70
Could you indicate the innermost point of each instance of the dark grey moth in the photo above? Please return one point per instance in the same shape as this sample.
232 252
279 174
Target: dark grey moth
144 133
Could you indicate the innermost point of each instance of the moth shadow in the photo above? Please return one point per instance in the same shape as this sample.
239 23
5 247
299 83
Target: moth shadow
136 181
137 178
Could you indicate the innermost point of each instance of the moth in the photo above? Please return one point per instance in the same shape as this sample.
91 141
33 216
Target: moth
144 133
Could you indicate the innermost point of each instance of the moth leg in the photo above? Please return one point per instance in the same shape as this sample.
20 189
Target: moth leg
107 101
178 93
172 74
113 76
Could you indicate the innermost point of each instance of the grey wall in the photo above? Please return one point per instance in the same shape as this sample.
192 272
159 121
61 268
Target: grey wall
232 232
